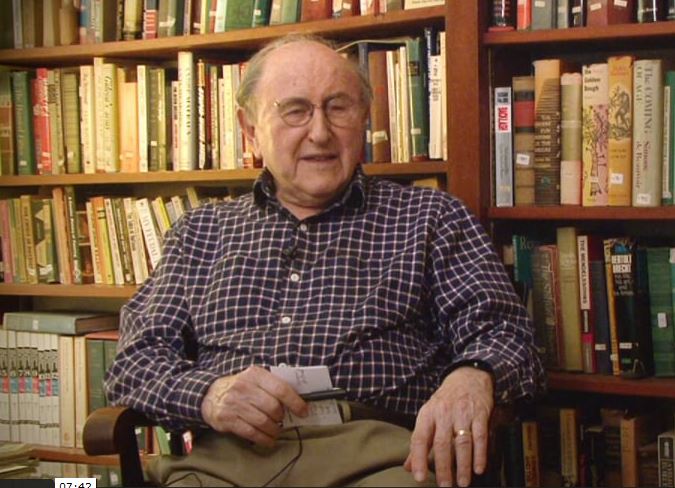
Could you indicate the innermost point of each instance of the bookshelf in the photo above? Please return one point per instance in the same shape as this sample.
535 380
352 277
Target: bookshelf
229 47
510 53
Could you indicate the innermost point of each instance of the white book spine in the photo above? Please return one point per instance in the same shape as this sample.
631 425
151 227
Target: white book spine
54 392
187 113
647 143
138 260
229 147
13 361
503 130
666 192
393 105
151 239
81 398
88 119
435 109
66 391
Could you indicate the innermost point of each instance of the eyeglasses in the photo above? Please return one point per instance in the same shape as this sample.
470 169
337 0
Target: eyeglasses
341 111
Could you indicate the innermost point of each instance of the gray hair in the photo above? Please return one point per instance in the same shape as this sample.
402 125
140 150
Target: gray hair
246 93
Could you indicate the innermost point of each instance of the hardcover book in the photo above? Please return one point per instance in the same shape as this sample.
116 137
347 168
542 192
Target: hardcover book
620 150
631 301
606 12
523 139
595 135
547 132
647 132
659 272
70 323
502 148
570 138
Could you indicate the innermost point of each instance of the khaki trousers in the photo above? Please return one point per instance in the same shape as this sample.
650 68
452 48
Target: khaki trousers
357 453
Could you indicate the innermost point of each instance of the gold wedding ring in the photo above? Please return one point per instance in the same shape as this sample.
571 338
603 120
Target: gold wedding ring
462 432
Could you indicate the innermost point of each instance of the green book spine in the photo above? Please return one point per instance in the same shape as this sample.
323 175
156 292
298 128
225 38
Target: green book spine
73 234
239 15
261 13
289 11
96 366
661 310
23 110
71 120
419 99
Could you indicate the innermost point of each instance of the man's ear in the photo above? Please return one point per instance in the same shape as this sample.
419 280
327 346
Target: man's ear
249 130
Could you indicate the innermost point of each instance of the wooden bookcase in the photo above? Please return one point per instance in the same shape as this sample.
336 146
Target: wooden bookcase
231 47
504 54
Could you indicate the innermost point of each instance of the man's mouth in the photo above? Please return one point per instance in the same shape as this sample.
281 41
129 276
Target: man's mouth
318 158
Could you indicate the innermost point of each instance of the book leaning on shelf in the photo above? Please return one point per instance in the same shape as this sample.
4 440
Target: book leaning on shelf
60 322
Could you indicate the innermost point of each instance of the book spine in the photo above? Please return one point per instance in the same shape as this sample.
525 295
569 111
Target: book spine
7 151
570 138
667 459
80 387
569 298
25 151
95 251
569 446
585 305
418 100
661 310
73 234
595 135
503 151
668 176
620 157
88 119
66 391
523 139
647 132
379 107
544 14
187 112
547 132
71 122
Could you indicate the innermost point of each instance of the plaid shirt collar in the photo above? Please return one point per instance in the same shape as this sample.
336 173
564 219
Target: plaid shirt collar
354 196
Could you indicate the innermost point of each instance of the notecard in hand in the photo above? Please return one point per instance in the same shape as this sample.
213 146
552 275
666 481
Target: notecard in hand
308 380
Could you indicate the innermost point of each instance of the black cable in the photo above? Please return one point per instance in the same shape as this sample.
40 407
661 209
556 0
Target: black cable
290 463
181 478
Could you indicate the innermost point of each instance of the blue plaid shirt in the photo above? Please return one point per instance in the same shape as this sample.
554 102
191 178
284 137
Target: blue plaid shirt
389 287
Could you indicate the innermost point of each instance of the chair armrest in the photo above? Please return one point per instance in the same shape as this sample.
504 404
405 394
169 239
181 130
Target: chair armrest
112 430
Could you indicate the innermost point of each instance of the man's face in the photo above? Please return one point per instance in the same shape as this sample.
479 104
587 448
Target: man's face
312 163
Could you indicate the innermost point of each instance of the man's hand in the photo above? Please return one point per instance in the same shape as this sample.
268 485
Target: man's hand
251 404
454 425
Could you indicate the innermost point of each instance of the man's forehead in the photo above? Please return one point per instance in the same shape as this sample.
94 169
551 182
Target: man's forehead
306 59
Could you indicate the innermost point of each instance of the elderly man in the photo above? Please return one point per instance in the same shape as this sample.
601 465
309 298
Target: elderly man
396 290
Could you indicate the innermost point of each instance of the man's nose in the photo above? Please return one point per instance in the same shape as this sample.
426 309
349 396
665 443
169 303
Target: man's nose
319 126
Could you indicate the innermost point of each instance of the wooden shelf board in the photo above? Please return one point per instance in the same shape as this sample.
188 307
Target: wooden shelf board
612 385
205 176
580 34
56 290
581 213
392 23
71 455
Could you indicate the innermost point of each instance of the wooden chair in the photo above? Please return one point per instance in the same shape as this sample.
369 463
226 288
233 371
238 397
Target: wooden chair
112 430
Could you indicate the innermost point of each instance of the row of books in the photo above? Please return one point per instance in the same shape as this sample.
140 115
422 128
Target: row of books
103 240
599 305
51 372
117 116
36 23
562 14
601 135
594 445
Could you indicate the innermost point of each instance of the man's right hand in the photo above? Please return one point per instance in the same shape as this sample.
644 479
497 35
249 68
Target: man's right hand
251 405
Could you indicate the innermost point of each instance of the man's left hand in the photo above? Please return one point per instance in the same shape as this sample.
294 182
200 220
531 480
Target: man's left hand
454 425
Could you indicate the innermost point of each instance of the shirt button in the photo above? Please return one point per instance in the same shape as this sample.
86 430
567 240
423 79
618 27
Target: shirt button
303 227
295 277
285 320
